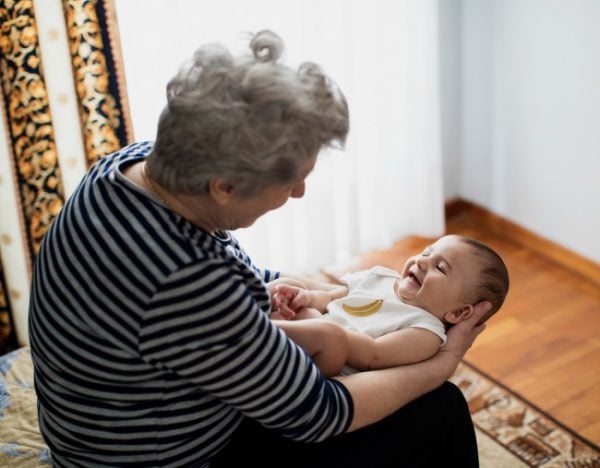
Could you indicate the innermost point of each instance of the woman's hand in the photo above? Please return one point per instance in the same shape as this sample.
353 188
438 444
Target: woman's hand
462 335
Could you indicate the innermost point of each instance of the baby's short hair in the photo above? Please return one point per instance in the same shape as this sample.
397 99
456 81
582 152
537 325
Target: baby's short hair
494 282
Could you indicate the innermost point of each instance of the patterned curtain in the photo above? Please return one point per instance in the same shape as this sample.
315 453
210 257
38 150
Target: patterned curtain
63 106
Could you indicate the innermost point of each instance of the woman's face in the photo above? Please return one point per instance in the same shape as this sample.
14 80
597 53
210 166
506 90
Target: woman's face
246 211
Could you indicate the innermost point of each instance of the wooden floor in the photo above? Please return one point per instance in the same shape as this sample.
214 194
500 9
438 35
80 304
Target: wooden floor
545 341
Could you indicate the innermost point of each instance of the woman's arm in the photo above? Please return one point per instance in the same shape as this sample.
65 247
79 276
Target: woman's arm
405 346
233 352
325 342
377 394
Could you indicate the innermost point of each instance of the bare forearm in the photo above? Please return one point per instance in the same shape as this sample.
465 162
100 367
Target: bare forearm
319 299
362 351
405 346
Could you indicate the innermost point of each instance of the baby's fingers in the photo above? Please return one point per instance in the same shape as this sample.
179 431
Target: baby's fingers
286 312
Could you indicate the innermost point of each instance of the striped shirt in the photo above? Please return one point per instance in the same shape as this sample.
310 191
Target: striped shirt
151 338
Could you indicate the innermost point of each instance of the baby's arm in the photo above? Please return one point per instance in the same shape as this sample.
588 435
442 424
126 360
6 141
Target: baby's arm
405 346
291 299
280 305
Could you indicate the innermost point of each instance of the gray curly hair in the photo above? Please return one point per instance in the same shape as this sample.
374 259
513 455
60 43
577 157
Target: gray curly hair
248 120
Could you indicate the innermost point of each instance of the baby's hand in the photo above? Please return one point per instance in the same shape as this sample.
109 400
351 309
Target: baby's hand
287 300
281 315
279 305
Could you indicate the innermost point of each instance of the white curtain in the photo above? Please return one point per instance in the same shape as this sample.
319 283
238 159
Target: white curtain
387 184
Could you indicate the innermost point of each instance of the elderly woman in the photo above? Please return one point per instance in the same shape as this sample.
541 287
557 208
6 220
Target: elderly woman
149 324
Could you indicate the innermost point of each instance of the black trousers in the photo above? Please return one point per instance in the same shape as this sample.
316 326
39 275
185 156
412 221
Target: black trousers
434 431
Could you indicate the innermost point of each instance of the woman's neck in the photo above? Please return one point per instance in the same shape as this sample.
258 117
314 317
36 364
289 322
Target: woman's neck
195 208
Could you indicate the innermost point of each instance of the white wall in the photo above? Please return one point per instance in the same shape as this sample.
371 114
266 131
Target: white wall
450 34
529 106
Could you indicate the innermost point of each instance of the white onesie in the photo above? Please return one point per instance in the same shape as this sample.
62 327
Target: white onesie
372 306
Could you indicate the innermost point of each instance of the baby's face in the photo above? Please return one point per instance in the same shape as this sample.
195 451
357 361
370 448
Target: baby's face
441 278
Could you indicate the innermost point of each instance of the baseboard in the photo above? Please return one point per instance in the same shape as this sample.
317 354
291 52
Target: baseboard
518 234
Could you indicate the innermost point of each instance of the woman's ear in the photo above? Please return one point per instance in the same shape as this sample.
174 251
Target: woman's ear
460 314
220 190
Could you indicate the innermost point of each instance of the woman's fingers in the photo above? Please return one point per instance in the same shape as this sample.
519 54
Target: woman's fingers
462 335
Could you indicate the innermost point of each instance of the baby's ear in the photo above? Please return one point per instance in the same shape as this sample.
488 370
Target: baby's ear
460 314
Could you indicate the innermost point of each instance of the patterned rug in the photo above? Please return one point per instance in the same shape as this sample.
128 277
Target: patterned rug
512 433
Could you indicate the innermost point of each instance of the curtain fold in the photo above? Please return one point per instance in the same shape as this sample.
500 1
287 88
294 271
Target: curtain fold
63 107
93 39
384 55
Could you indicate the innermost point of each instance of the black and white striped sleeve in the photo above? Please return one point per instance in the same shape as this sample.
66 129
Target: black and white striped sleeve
204 325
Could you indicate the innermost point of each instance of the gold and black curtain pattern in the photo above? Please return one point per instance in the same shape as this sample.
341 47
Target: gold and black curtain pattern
42 152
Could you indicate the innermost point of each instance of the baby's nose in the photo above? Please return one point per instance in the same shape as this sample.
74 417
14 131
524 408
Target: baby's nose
422 263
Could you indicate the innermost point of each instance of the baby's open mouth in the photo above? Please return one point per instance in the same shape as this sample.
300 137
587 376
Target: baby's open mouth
413 277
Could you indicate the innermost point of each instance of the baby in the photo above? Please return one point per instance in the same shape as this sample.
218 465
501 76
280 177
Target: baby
392 318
